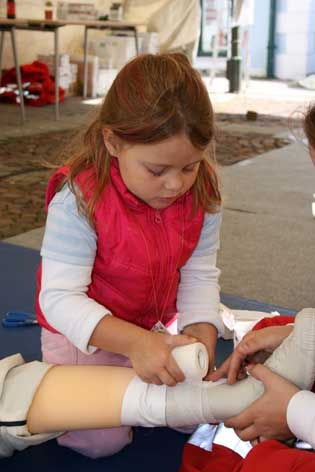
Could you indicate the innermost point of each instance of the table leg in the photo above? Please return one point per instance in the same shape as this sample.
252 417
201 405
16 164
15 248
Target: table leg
1 52
136 41
18 74
56 74
85 64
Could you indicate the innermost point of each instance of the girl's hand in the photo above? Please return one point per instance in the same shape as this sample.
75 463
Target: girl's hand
266 417
151 357
207 334
252 347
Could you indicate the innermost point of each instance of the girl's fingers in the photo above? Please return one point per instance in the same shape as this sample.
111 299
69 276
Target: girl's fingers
166 378
180 340
155 380
174 370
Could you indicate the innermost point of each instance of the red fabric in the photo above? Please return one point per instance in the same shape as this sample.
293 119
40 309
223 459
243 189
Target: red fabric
220 459
273 321
38 85
135 243
267 456
273 455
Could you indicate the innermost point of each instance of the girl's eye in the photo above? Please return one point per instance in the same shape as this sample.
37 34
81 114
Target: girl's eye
186 170
155 173
190 168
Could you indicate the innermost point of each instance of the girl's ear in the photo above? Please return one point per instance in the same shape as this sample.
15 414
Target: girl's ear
112 142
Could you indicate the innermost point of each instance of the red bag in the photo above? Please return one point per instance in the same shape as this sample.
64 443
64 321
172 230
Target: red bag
38 86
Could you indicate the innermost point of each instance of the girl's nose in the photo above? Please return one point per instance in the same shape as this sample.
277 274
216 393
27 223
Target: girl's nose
174 184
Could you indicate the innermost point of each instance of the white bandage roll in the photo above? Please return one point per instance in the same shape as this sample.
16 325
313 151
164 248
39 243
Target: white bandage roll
192 359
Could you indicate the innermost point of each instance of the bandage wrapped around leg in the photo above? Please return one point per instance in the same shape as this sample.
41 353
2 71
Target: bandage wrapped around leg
145 404
195 401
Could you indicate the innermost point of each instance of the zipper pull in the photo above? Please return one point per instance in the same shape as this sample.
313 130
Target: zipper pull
157 217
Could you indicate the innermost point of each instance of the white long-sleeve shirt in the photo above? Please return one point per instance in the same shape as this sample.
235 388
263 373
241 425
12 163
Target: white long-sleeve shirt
68 254
301 416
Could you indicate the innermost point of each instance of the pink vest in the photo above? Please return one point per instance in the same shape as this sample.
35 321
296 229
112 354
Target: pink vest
139 251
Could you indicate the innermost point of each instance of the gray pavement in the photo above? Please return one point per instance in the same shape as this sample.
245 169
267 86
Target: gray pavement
267 240
31 239
74 112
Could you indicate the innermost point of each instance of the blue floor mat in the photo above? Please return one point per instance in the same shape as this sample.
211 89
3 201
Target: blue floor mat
152 449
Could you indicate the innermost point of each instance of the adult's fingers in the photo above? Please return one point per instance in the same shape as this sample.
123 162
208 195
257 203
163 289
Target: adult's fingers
262 373
221 371
243 420
252 346
235 366
247 434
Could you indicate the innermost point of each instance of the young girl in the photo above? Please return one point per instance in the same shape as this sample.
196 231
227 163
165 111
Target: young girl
132 234
36 399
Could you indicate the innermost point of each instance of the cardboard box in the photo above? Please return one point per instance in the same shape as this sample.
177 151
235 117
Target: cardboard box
115 51
93 69
68 73
76 11
49 60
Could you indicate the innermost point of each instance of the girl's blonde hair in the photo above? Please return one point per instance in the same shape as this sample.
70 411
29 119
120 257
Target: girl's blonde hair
154 97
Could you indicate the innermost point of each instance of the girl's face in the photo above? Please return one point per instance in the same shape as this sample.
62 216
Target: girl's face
158 173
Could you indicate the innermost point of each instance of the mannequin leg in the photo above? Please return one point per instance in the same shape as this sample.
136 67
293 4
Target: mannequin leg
92 443
79 397
38 398
111 396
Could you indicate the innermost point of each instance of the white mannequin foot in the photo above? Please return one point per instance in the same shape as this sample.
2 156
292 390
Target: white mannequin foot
294 359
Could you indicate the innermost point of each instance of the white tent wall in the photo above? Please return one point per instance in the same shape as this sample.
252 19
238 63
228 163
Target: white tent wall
177 21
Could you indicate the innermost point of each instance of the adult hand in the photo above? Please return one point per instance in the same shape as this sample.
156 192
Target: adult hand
266 417
254 347
151 357
207 334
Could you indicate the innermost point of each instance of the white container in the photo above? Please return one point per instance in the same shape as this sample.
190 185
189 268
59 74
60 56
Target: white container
116 12
105 80
115 50
149 43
